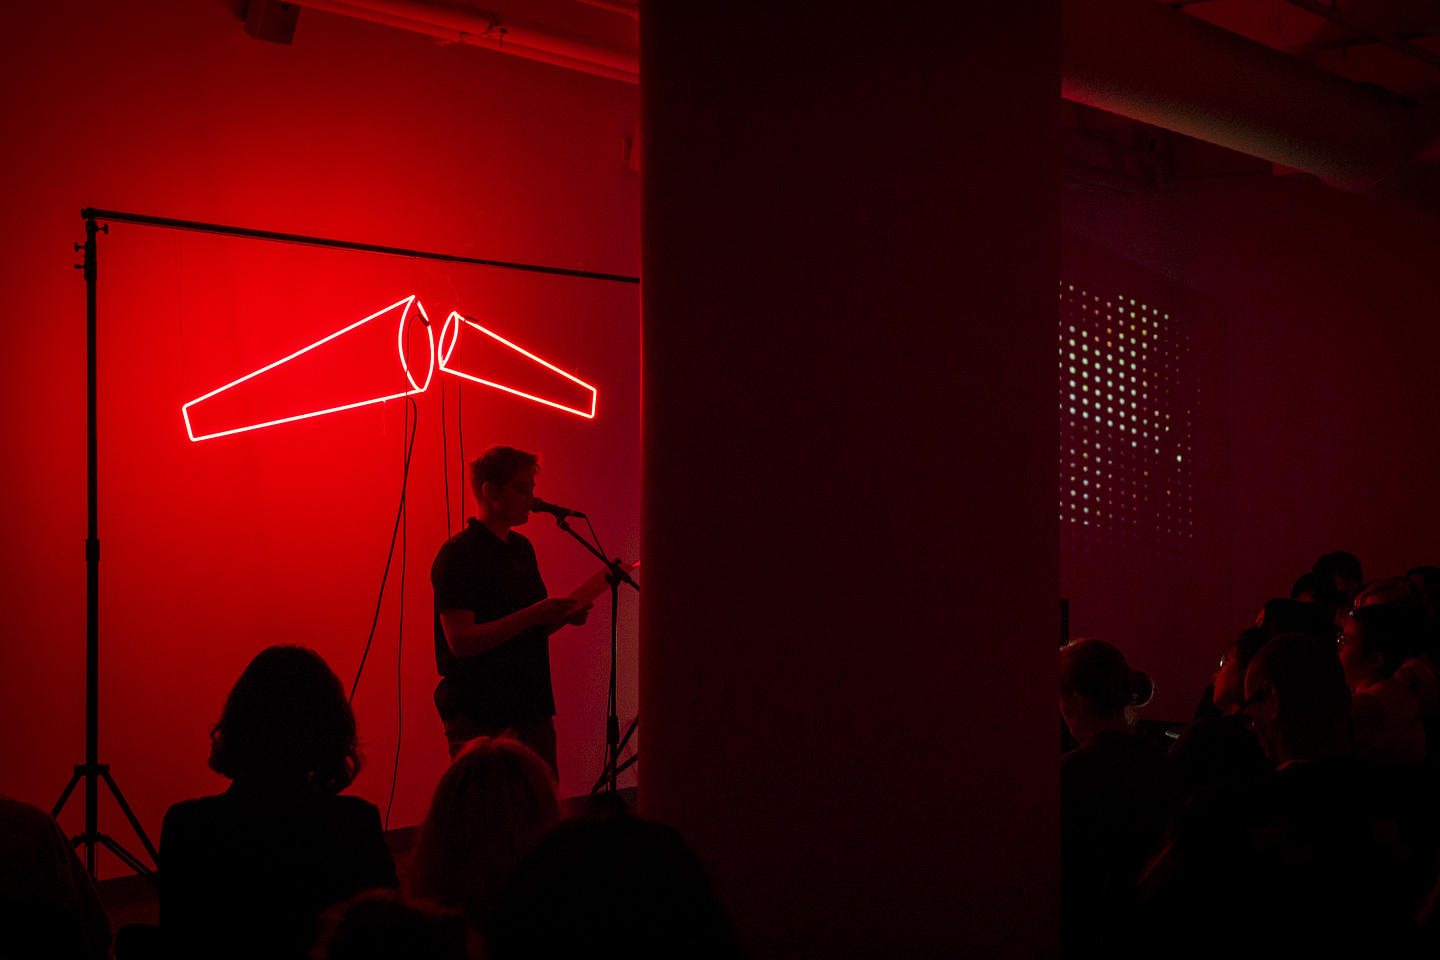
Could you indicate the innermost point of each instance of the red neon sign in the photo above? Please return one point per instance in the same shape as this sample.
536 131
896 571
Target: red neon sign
322 376
491 359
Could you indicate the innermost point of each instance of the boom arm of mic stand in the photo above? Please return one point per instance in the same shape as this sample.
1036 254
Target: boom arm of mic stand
616 571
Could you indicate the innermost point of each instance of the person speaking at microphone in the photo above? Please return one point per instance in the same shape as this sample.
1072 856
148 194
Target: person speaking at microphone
493 617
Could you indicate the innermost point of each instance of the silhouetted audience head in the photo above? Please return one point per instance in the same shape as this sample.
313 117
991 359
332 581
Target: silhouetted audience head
1321 590
493 804
610 886
1230 679
1293 616
1313 588
1396 592
1343 569
383 925
1427 578
1376 639
1097 686
48 906
1297 698
287 716
1216 753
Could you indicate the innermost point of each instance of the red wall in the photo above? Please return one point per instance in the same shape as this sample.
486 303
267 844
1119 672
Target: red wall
1159 593
1331 386
212 551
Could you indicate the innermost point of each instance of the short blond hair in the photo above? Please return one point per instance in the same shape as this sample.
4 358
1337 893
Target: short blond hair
499 465
493 804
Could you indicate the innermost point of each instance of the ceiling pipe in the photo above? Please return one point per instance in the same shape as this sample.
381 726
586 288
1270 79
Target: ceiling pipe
489 25
1152 63
460 36
1342 19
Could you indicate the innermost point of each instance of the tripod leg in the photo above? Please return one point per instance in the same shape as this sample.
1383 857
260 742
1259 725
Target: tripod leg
129 815
69 789
604 778
629 731
130 859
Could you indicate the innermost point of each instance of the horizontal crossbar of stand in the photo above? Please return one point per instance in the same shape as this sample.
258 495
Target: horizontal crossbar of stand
90 213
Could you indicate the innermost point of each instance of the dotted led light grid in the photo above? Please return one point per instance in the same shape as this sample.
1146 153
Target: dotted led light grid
1128 394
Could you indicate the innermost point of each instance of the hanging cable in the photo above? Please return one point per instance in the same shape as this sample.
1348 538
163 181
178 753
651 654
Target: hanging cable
394 535
460 432
400 640
445 461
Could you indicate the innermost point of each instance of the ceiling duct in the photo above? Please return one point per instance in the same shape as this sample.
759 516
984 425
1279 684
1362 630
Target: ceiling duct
1152 63
462 23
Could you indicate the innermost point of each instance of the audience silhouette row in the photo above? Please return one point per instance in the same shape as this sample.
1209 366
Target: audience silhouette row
1298 811
283 864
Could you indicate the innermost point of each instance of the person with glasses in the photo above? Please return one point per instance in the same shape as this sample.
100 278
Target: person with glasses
1372 645
1217 751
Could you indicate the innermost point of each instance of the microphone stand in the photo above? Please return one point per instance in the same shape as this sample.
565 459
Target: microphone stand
613 743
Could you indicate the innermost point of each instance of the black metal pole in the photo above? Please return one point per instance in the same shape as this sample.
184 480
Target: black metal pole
92 561
612 718
92 770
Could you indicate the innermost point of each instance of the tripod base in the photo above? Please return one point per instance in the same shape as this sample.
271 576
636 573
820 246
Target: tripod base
93 836
613 746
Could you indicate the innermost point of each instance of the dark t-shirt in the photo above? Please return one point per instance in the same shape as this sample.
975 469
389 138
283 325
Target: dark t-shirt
1320 857
1115 793
477 571
247 873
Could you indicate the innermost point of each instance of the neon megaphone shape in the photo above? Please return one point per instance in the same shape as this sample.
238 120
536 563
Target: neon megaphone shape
487 358
350 368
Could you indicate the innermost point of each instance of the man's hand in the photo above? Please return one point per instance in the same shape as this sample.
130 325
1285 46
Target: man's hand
558 611
467 638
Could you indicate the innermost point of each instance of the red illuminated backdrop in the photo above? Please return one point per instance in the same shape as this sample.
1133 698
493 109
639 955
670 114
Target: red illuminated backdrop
211 551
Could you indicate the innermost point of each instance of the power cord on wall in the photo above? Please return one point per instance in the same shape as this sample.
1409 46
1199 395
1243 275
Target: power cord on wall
401 527
460 432
400 639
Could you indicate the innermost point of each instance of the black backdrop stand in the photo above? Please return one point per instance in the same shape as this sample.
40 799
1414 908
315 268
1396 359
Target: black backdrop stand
613 743
92 770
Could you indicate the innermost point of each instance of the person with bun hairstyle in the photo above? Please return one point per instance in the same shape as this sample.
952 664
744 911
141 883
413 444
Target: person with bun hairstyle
1116 790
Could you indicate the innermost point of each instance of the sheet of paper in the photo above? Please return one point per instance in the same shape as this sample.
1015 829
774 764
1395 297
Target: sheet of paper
596 585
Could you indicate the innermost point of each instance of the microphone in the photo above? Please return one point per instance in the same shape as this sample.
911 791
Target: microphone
540 506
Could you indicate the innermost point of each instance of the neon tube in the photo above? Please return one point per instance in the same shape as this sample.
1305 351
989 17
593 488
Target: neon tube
265 386
564 392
